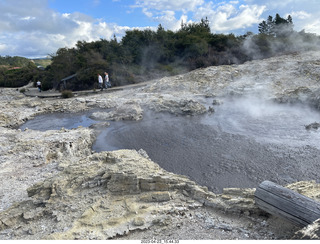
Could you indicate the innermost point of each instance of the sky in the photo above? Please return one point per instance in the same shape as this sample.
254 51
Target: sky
38 28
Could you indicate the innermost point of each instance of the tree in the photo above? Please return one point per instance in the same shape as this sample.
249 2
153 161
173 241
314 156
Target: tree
263 27
17 77
276 27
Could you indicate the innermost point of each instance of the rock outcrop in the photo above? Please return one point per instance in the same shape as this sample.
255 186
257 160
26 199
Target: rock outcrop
109 194
314 125
112 193
126 111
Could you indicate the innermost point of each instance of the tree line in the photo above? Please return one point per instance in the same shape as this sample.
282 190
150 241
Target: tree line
146 54
16 71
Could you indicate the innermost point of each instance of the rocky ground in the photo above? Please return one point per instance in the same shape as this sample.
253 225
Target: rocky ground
53 186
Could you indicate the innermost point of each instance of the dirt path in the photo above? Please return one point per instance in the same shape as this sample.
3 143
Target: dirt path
34 92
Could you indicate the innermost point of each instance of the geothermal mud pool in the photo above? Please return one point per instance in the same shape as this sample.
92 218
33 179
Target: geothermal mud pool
56 121
241 144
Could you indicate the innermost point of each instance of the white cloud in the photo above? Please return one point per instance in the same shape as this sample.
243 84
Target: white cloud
312 27
305 13
165 12
27 18
147 13
169 21
300 15
306 21
31 28
176 5
230 17
3 47
34 30
96 2
223 16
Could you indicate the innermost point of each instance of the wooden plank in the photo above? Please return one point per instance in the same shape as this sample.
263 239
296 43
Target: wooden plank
281 201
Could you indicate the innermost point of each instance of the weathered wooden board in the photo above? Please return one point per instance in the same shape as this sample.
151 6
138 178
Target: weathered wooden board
281 201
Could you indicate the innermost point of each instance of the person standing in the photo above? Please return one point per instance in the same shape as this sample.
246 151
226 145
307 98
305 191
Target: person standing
106 80
39 85
100 82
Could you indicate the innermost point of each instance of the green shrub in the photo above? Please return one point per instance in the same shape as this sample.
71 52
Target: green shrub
22 90
66 94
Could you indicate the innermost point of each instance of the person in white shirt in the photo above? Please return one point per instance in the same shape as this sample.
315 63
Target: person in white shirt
39 85
106 80
100 82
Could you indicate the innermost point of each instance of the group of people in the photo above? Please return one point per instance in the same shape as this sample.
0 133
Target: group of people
106 81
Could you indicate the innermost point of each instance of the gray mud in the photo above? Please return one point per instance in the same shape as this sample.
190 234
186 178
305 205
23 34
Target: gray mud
210 156
237 146
56 121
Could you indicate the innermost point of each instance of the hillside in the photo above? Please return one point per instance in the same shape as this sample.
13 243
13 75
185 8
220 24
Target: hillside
44 62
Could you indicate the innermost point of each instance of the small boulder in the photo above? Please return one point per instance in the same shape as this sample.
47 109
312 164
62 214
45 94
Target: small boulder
314 125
